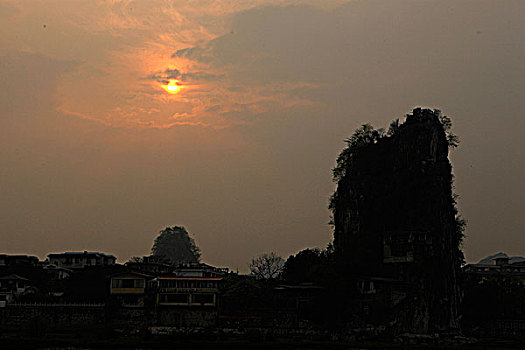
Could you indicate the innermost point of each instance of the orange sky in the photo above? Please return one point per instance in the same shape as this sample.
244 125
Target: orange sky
96 154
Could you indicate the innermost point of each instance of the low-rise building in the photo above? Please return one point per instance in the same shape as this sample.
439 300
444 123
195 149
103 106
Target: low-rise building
188 291
80 260
150 265
199 270
12 286
57 273
494 290
187 301
499 264
18 260
129 288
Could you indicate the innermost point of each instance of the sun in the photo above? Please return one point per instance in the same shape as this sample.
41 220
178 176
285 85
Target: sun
172 87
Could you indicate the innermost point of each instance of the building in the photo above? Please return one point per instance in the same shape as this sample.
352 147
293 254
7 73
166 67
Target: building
183 301
497 265
12 286
155 265
494 297
57 273
152 265
200 270
187 301
129 288
297 302
18 260
80 260
188 291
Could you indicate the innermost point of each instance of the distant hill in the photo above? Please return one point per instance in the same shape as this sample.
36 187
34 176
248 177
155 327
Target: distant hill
489 260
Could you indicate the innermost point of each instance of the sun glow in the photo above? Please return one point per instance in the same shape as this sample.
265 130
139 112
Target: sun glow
172 87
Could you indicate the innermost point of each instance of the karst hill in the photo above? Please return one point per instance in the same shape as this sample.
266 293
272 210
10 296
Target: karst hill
397 233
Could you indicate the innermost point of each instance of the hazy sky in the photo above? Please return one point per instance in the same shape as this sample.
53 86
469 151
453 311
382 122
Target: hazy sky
96 154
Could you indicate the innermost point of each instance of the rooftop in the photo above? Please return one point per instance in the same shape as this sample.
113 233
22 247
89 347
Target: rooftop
83 253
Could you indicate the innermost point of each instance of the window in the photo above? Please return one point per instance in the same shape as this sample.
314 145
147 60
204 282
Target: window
202 298
174 298
167 284
127 283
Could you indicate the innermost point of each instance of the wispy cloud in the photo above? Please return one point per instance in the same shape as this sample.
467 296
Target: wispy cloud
168 74
126 51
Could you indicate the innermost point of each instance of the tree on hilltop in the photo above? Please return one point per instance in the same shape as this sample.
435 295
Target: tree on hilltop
175 244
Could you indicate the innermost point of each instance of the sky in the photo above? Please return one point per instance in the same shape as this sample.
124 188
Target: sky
119 118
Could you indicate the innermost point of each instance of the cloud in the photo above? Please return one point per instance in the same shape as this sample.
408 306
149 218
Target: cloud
266 58
191 53
164 77
126 51
168 74
212 83
201 76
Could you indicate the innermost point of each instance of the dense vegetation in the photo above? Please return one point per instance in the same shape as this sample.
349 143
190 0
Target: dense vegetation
175 244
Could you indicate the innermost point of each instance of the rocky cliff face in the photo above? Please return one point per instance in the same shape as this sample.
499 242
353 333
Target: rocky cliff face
396 234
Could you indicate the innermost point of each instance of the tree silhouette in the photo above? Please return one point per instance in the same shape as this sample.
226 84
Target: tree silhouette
175 244
361 137
267 266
